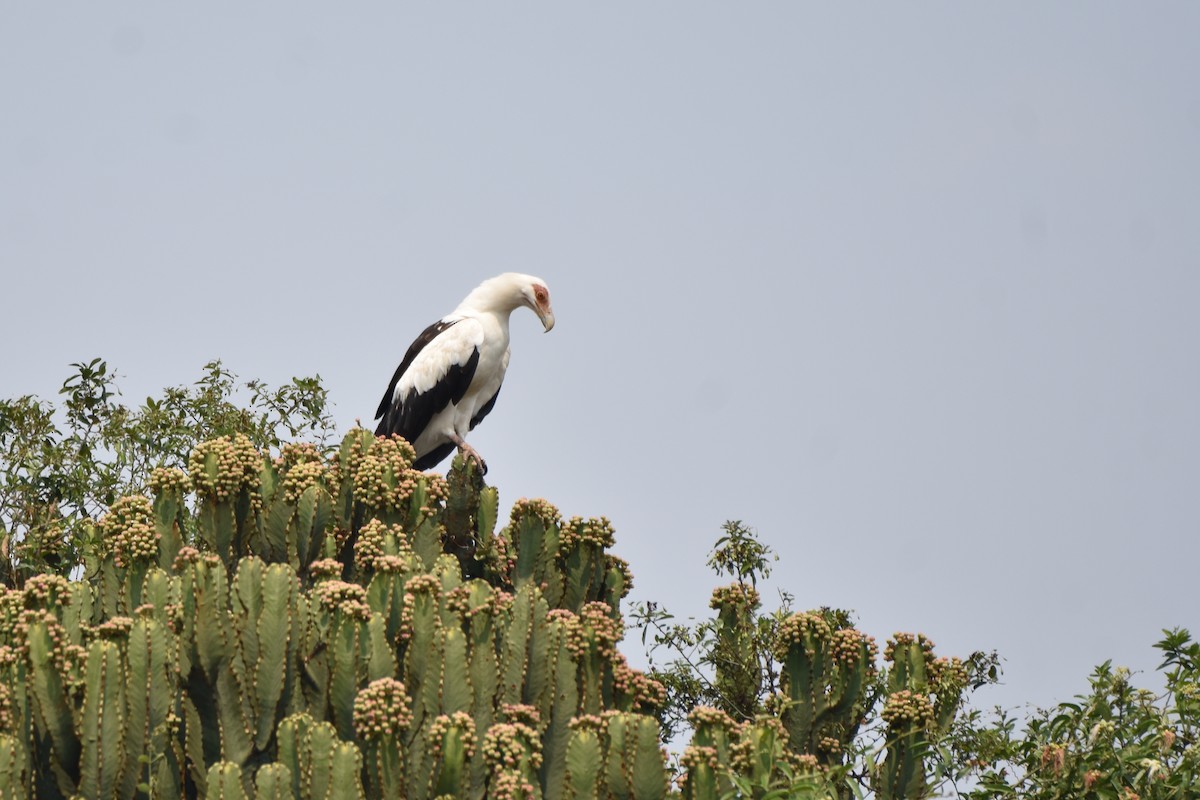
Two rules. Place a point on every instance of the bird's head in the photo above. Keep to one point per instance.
(505, 293)
(535, 295)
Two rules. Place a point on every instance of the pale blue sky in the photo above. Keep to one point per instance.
(911, 289)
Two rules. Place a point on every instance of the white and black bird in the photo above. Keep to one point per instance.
(451, 375)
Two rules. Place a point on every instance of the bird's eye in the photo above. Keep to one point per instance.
(540, 294)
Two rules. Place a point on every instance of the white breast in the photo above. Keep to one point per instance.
(489, 334)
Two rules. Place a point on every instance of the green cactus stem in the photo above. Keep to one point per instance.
(634, 764)
(246, 634)
(738, 678)
(14, 778)
(103, 721)
(226, 475)
(381, 719)
(451, 744)
(224, 782)
(585, 759)
(712, 737)
(273, 782)
(908, 715)
(151, 690)
(52, 705)
(824, 676)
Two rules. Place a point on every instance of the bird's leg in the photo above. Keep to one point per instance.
(469, 452)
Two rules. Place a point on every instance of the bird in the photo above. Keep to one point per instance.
(450, 376)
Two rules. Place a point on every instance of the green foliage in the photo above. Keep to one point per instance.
(318, 624)
(786, 704)
(192, 607)
(61, 468)
(725, 663)
(797, 703)
(1117, 741)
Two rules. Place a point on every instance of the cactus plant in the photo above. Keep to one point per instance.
(738, 675)
(824, 675)
(302, 627)
(225, 635)
(13, 769)
(923, 696)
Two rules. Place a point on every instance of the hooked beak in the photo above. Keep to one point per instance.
(547, 318)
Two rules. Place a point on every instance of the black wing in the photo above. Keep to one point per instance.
(427, 336)
(408, 416)
(435, 456)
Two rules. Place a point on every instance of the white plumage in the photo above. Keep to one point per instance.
(449, 378)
